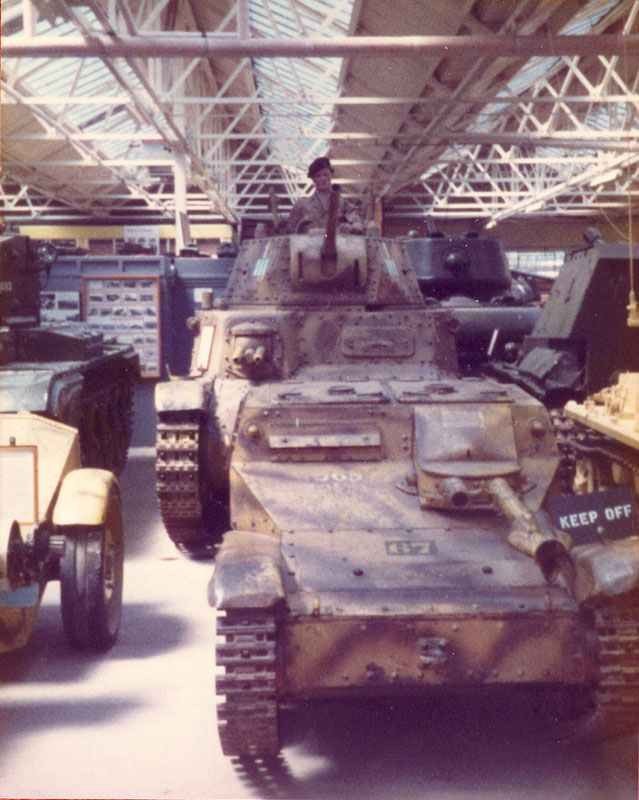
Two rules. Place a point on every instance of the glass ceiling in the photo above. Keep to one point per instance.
(66, 77)
(598, 116)
(311, 79)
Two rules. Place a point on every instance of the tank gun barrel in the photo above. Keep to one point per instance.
(329, 249)
(259, 354)
(243, 354)
(249, 354)
(527, 534)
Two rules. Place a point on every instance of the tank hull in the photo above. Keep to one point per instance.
(387, 524)
(94, 395)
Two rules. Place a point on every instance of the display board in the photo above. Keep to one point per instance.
(145, 235)
(56, 306)
(127, 308)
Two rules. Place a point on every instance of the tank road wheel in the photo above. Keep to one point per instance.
(193, 516)
(248, 709)
(91, 574)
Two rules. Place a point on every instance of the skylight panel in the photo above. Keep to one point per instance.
(309, 78)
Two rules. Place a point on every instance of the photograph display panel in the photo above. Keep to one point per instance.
(127, 309)
(58, 306)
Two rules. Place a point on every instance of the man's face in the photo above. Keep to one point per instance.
(322, 180)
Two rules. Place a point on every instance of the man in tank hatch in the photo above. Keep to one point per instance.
(312, 212)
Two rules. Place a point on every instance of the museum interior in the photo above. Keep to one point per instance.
(319, 399)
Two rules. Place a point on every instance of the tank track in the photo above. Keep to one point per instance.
(248, 713)
(179, 482)
(106, 423)
(617, 692)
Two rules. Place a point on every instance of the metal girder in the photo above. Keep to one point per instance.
(512, 157)
(528, 157)
(176, 44)
(89, 155)
(147, 104)
(324, 102)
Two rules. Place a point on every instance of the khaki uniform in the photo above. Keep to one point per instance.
(312, 212)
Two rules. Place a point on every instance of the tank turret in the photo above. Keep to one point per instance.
(493, 307)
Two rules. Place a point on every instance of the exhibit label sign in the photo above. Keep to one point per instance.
(611, 514)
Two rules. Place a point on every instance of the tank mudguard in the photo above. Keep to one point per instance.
(83, 497)
(606, 570)
(180, 395)
(248, 572)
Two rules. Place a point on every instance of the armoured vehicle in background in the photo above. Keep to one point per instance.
(388, 524)
(493, 306)
(57, 522)
(606, 437)
(605, 432)
(64, 372)
(580, 342)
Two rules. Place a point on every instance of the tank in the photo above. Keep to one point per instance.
(605, 436)
(58, 521)
(581, 341)
(67, 372)
(387, 523)
(494, 307)
(602, 433)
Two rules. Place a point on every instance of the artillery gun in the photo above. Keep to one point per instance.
(66, 372)
(388, 522)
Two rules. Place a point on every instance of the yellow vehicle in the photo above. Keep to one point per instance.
(608, 440)
(57, 522)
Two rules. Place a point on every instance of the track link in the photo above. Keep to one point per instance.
(617, 692)
(248, 710)
(179, 482)
(106, 421)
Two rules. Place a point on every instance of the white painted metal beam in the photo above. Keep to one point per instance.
(175, 44)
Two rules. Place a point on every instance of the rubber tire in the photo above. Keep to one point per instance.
(91, 579)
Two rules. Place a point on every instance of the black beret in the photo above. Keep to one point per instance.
(318, 165)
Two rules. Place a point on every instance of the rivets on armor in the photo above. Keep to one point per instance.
(537, 428)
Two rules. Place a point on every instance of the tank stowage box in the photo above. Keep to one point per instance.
(386, 520)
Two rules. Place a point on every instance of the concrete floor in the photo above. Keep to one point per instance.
(140, 721)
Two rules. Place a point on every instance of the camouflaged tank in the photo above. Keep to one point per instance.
(387, 528)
